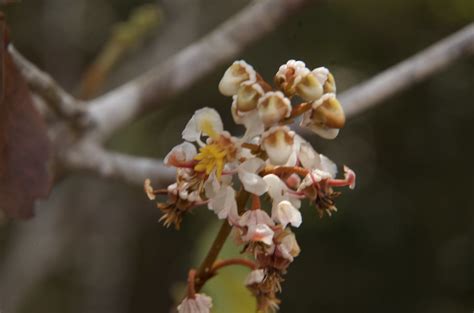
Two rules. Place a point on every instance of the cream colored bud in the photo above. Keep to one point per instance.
(247, 96)
(329, 112)
(309, 88)
(326, 117)
(330, 84)
(289, 75)
(278, 143)
(237, 73)
(273, 107)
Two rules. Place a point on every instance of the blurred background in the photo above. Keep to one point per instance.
(402, 241)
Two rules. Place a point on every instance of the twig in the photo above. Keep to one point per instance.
(90, 157)
(124, 104)
(397, 78)
(61, 102)
(205, 271)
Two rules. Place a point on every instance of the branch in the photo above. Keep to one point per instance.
(61, 102)
(90, 157)
(408, 72)
(124, 104)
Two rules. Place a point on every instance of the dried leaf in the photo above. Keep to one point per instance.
(24, 145)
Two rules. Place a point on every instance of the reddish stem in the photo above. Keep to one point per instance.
(244, 262)
(256, 202)
(191, 284)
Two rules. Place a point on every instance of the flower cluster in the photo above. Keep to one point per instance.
(270, 164)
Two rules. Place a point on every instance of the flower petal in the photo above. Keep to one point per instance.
(181, 153)
(237, 73)
(285, 213)
(205, 121)
(223, 203)
(251, 181)
(200, 304)
(260, 232)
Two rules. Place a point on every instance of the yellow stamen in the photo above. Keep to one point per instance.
(211, 157)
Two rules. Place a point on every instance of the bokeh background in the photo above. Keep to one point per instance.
(402, 241)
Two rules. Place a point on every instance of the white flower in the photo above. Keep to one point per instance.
(278, 143)
(223, 203)
(248, 175)
(285, 213)
(328, 166)
(260, 232)
(180, 154)
(251, 121)
(258, 226)
(255, 277)
(254, 217)
(205, 121)
(273, 107)
(307, 156)
(237, 73)
(199, 304)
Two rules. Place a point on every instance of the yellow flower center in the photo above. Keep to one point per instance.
(211, 157)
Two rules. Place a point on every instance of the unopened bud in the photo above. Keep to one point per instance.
(289, 75)
(329, 112)
(273, 107)
(330, 84)
(237, 73)
(326, 79)
(247, 96)
(309, 88)
(278, 143)
(326, 117)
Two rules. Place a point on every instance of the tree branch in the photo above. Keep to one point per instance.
(88, 156)
(124, 104)
(402, 76)
(61, 102)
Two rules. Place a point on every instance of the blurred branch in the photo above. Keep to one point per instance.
(124, 104)
(121, 106)
(61, 102)
(90, 157)
(408, 72)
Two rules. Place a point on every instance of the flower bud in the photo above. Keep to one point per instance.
(326, 79)
(309, 88)
(289, 75)
(273, 107)
(330, 84)
(278, 143)
(326, 117)
(247, 96)
(237, 73)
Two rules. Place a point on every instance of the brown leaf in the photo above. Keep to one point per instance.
(24, 145)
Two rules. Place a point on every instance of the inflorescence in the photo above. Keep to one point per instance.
(270, 164)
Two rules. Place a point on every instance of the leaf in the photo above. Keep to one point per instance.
(24, 144)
